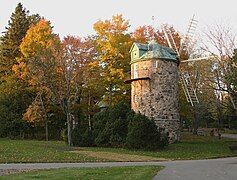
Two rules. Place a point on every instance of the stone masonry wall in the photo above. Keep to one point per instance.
(157, 98)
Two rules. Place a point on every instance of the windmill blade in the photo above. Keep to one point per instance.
(166, 37)
(200, 59)
(189, 91)
(170, 40)
(187, 40)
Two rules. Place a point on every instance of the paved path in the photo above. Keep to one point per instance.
(232, 136)
(215, 169)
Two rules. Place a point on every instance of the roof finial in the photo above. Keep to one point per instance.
(153, 26)
(152, 40)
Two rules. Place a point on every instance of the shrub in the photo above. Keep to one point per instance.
(143, 134)
(76, 136)
(110, 126)
(81, 137)
(118, 126)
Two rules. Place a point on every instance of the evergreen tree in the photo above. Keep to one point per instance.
(18, 24)
(15, 96)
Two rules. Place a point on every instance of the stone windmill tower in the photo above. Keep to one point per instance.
(154, 82)
(154, 79)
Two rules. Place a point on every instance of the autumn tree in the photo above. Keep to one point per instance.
(144, 34)
(93, 90)
(113, 43)
(55, 69)
(39, 48)
(37, 65)
(71, 67)
(79, 75)
(35, 113)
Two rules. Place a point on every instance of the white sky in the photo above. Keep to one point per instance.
(76, 17)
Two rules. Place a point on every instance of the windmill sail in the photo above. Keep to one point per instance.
(187, 43)
(189, 91)
(187, 46)
(170, 40)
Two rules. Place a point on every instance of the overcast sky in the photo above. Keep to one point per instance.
(76, 17)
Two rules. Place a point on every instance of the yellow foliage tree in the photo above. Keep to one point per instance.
(40, 48)
(113, 43)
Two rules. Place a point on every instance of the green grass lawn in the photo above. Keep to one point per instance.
(230, 131)
(38, 151)
(190, 147)
(132, 172)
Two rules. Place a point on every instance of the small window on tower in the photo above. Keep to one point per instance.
(155, 64)
(135, 98)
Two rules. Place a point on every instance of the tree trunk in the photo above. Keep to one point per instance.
(89, 112)
(33, 133)
(206, 122)
(110, 95)
(69, 133)
(45, 118)
(46, 130)
(219, 113)
(195, 120)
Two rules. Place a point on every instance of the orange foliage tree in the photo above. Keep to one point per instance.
(37, 66)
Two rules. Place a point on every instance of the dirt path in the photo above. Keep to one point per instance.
(112, 156)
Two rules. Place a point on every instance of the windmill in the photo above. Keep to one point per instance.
(154, 69)
(187, 44)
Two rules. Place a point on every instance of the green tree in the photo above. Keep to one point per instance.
(14, 99)
(14, 93)
(18, 24)
(232, 80)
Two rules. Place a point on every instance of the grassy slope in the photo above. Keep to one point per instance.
(190, 147)
(38, 151)
(141, 172)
